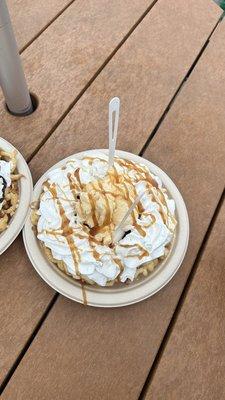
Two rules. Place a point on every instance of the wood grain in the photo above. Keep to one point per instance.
(139, 75)
(65, 57)
(98, 29)
(23, 300)
(89, 353)
(193, 363)
(30, 17)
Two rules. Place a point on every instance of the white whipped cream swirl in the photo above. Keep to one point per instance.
(83, 257)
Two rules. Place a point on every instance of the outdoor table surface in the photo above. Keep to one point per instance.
(166, 62)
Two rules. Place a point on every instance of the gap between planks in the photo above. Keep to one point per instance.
(152, 134)
(108, 59)
(28, 342)
(182, 299)
(88, 84)
(46, 26)
(56, 295)
(161, 119)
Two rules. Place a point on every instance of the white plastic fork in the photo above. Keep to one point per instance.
(114, 110)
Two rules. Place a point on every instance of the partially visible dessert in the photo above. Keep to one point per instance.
(9, 187)
(80, 207)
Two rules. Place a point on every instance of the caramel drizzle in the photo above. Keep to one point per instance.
(139, 169)
(65, 197)
(90, 159)
(93, 215)
(140, 230)
(77, 176)
(73, 186)
(115, 179)
(160, 197)
(152, 222)
(144, 252)
(120, 264)
(107, 218)
(84, 293)
(98, 187)
(164, 216)
(140, 208)
(114, 175)
(67, 231)
(147, 177)
(96, 255)
(53, 233)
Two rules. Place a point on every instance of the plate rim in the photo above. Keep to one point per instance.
(26, 191)
(61, 285)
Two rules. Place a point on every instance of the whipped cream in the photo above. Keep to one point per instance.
(81, 205)
(5, 179)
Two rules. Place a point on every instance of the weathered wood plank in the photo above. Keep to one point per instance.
(99, 29)
(193, 363)
(108, 353)
(30, 17)
(145, 73)
(60, 62)
(23, 300)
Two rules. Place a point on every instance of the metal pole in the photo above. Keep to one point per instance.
(12, 79)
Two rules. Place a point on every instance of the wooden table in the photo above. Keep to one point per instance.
(166, 61)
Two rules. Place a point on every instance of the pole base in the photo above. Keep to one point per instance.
(31, 110)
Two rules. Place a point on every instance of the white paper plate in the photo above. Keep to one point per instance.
(121, 295)
(26, 189)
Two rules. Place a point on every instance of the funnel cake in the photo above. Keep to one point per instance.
(81, 205)
(9, 187)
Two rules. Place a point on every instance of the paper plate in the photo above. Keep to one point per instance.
(122, 295)
(25, 196)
